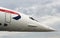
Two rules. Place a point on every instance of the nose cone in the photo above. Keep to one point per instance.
(49, 29)
(46, 28)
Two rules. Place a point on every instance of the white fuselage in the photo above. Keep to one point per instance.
(25, 23)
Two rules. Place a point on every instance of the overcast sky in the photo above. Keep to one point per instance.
(47, 12)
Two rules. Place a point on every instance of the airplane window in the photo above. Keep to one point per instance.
(32, 18)
(17, 17)
(0, 24)
(5, 24)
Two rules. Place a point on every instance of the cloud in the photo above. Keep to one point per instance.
(54, 36)
(49, 19)
(5, 34)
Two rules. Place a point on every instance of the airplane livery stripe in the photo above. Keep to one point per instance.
(9, 11)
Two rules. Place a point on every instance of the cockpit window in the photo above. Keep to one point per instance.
(33, 19)
(17, 17)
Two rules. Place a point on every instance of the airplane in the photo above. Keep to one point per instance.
(11, 20)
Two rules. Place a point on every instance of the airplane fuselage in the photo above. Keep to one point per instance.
(20, 22)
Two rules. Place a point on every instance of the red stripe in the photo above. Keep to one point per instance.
(8, 11)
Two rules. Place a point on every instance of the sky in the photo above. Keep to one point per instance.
(47, 12)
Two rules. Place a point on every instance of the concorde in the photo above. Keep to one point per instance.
(15, 21)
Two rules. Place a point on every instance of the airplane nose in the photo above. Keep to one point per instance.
(45, 28)
(50, 29)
